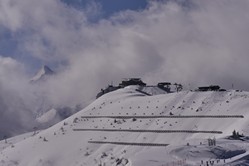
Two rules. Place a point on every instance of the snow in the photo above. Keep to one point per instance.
(44, 72)
(60, 145)
(11, 141)
(153, 90)
(49, 117)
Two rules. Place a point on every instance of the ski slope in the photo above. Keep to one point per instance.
(126, 127)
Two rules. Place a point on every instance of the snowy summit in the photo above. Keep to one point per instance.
(42, 74)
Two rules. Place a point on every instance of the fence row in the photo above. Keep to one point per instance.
(161, 116)
(128, 143)
(150, 131)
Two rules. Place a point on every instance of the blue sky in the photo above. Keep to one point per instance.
(109, 7)
(7, 42)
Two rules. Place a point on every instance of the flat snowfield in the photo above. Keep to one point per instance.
(129, 128)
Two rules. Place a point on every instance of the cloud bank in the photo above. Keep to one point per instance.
(191, 42)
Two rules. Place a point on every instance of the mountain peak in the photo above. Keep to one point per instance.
(42, 73)
(46, 70)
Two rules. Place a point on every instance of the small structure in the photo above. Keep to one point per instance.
(143, 88)
(124, 83)
(132, 81)
(211, 142)
(164, 86)
(178, 87)
(110, 88)
(209, 88)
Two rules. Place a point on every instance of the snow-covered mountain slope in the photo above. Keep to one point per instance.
(49, 118)
(42, 74)
(153, 90)
(54, 116)
(100, 133)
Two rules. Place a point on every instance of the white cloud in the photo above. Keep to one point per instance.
(204, 42)
(15, 108)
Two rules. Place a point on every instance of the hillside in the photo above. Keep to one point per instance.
(126, 127)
